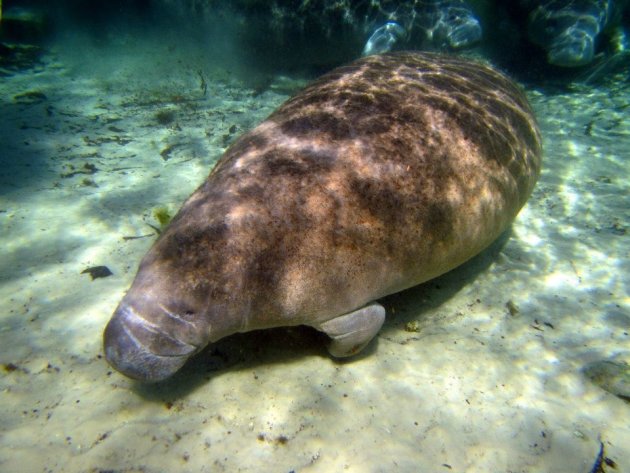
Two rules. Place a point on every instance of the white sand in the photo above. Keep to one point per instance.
(474, 389)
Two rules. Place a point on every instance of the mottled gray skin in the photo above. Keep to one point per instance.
(380, 175)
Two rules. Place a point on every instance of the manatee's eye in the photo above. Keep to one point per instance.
(183, 308)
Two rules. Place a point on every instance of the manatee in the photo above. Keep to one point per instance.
(317, 35)
(381, 175)
(442, 25)
(569, 30)
(384, 38)
(448, 24)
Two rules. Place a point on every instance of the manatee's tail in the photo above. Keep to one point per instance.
(141, 349)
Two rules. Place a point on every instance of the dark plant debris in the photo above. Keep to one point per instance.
(97, 272)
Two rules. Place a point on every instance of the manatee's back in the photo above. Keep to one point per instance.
(380, 175)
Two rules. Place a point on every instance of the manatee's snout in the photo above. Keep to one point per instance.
(142, 349)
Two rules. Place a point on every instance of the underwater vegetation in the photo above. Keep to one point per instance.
(165, 117)
(163, 216)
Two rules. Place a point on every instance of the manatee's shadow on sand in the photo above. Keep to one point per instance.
(414, 302)
(287, 345)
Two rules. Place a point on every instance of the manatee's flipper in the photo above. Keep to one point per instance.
(384, 38)
(351, 332)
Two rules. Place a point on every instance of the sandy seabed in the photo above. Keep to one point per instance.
(486, 369)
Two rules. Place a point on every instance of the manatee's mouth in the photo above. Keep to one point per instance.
(140, 349)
